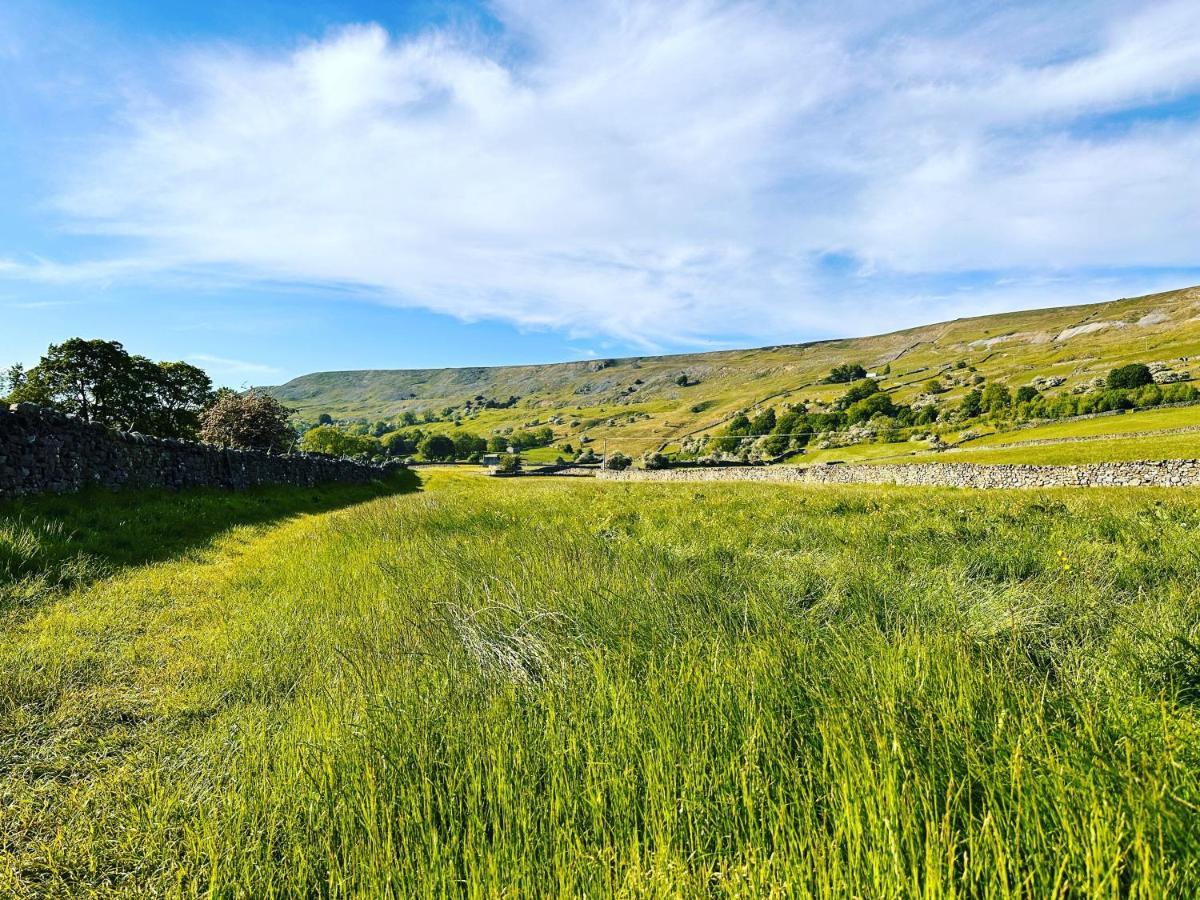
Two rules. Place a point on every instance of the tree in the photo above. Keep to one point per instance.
(437, 448)
(509, 464)
(855, 394)
(995, 399)
(176, 393)
(682, 380)
(467, 445)
(99, 381)
(846, 373)
(1134, 375)
(970, 405)
(1027, 393)
(324, 419)
(934, 386)
(94, 380)
(250, 421)
(871, 405)
(763, 423)
(397, 443)
(333, 441)
(497, 444)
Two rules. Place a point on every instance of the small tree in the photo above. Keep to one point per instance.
(1134, 375)
(250, 421)
(995, 399)
(682, 380)
(654, 461)
(510, 464)
(437, 448)
(616, 462)
(1027, 393)
(971, 405)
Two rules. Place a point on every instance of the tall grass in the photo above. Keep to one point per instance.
(546, 688)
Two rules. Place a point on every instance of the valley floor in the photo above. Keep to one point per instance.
(540, 687)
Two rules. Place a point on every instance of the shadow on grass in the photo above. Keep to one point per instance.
(49, 542)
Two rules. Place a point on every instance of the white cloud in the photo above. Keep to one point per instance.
(668, 171)
(232, 368)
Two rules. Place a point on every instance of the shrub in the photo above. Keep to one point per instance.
(586, 456)
(249, 421)
(654, 461)
(1134, 375)
(1027, 393)
(509, 463)
(616, 462)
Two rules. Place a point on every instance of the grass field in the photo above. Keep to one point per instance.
(541, 687)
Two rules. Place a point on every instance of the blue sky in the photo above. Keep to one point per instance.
(273, 188)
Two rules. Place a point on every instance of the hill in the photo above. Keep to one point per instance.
(639, 403)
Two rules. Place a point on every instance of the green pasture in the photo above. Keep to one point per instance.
(476, 687)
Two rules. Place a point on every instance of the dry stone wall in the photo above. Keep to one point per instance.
(1159, 473)
(42, 451)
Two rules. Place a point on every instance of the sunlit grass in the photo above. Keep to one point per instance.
(549, 688)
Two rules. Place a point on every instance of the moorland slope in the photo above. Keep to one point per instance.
(638, 403)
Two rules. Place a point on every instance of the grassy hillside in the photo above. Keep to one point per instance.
(564, 688)
(636, 404)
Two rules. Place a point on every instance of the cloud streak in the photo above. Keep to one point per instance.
(669, 172)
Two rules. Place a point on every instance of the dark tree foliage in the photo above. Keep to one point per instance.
(859, 392)
(971, 405)
(1026, 393)
(437, 448)
(99, 381)
(1134, 375)
(846, 373)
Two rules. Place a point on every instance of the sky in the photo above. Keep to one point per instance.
(273, 188)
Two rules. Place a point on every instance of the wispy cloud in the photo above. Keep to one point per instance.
(672, 171)
(232, 369)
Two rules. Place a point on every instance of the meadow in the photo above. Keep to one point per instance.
(539, 687)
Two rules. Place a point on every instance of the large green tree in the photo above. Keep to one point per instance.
(99, 381)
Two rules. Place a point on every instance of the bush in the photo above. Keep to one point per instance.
(654, 461)
(1027, 393)
(1134, 375)
(249, 421)
(586, 456)
(510, 463)
(616, 462)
